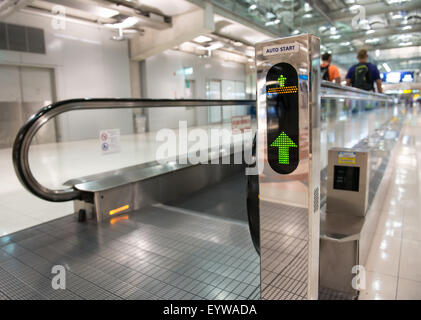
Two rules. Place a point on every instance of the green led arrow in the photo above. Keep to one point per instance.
(283, 143)
(281, 80)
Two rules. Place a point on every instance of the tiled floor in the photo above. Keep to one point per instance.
(160, 252)
(394, 263)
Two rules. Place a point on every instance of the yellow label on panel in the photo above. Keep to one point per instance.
(346, 160)
(121, 209)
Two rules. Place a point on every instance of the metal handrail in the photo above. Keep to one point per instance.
(30, 128)
(331, 90)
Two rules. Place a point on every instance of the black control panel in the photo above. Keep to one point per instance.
(282, 118)
(346, 178)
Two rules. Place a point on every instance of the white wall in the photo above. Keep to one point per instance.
(162, 77)
(86, 63)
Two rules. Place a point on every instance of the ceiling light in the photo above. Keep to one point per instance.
(270, 15)
(349, 1)
(202, 39)
(214, 46)
(386, 66)
(296, 31)
(407, 28)
(346, 43)
(322, 28)
(402, 44)
(396, 16)
(307, 15)
(373, 40)
(333, 30)
(307, 7)
(126, 23)
(377, 52)
(253, 7)
(354, 7)
(106, 13)
(371, 31)
(396, 1)
(335, 36)
(238, 43)
(270, 23)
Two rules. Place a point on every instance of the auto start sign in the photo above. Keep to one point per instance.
(281, 49)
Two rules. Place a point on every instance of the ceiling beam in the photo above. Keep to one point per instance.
(361, 35)
(220, 10)
(371, 48)
(370, 10)
(321, 9)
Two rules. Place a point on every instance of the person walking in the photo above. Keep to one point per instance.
(364, 74)
(329, 71)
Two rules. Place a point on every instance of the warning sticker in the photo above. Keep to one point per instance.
(346, 157)
(110, 141)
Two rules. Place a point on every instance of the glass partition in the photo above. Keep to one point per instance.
(97, 141)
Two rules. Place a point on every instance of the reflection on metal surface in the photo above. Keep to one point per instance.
(289, 224)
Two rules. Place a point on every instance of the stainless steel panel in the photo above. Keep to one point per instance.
(113, 199)
(345, 201)
(289, 203)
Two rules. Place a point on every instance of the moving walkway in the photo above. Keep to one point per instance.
(189, 239)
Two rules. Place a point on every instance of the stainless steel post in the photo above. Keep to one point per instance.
(288, 82)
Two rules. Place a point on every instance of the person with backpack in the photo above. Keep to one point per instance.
(363, 74)
(329, 71)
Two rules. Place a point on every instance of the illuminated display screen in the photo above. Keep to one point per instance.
(282, 118)
(397, 76)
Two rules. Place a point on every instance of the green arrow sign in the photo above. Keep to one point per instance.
(283, 142)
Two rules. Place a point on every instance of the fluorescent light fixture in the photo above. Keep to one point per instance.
(322, 28)
(296, 31)
(403, 44)
(407, 28)
(307, 7)
(271, 23)
(386, 66)
(354, 7)
(377, 52)
(126, 23)
(335, 36)
(253, 7)
(106, 13)
(373, 40)
(333, 30)
(371, 31)
(307, 15)
(396, 16)
(214, 46)
(346, 43)
(202, 39)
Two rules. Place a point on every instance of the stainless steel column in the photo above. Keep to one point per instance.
(289, 181)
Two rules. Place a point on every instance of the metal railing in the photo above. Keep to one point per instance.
(331, 90)
(30, 128)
